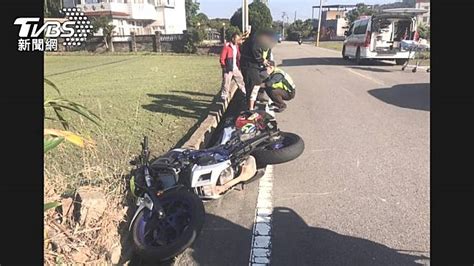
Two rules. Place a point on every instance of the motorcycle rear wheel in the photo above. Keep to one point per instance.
(291, 146)
(160, 240)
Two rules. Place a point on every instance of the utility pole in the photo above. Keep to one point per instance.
(245, 15)
(295, 16)
(283, 15)
(319, 22)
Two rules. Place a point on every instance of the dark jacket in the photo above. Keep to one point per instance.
(227, 57)
(252, 54)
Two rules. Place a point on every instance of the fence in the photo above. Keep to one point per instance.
(131, 43)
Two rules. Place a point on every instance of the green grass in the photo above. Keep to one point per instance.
(334, 45)
(160, 96)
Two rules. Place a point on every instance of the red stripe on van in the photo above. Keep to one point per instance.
(368, 36)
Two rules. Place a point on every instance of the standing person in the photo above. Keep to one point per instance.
(230, 62)
(256, 53)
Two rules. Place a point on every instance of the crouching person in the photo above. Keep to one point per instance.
(278, 85)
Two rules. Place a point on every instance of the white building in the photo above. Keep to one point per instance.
(139, 16)
(424, 4)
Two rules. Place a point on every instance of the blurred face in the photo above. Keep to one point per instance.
(268, 41)
(237, 39)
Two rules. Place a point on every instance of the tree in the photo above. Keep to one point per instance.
(403, 4)
(104, 23)
(360, 10)
(424, 31)
(52, 9)
(191, 38)
(216, 23)
(201, 18)
(260, 17)
(277, 25)
(299, 28)
(192, 9)
(231, 30)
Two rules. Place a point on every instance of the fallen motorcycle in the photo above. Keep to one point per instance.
(169, 216)
(212, 172)
(283, 147)
(169, 189)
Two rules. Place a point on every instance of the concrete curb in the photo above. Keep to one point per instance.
(200, 138)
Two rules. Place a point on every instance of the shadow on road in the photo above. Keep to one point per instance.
(372, 69)
(296, 243)
(328, 61)
(293, 243)
(412, 96)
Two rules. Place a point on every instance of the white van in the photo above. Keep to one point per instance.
(380, 36)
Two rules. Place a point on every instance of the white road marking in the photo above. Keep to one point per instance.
(261, 244)
(366, 77)
(348, 91)
(260, 252)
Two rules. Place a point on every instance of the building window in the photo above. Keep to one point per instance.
(425, 19)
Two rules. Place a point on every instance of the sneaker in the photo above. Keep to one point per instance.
(278, 110)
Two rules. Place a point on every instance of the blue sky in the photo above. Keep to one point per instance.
(225, 8)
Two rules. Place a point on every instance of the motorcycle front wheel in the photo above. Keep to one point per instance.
(283, 149)
(157, 240)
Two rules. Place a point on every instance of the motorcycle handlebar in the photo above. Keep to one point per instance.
(145, 142)
(145, 152)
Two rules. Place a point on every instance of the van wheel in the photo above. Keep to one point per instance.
(358, 59)
(344, 56)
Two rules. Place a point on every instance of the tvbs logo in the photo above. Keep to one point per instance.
(74, 31)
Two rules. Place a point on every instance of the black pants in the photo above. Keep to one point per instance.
(279, 97)
(252, 78)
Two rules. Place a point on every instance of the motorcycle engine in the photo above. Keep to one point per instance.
(225, 176)
(247, 136)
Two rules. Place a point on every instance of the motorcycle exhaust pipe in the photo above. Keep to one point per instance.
(249, 169)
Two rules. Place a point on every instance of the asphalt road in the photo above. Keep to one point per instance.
(359, 194)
